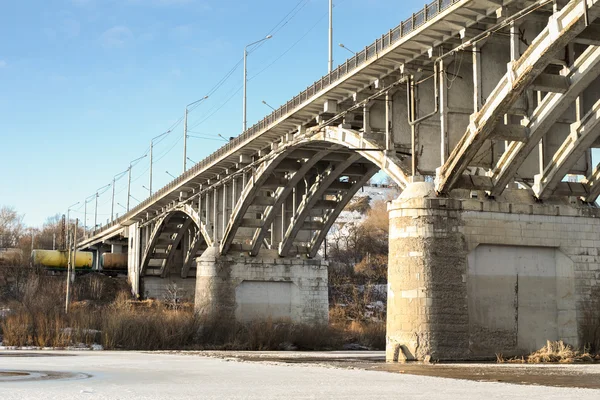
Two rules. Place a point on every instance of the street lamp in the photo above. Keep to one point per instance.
(112, 204)
(146, 188)
(330, 61)
(131, 164)
(68, 220)
(185, 136)
(223, 137)
(171, 175)
(246, 75)
(192, 161)
(344, 47)
(85, 201)
(96, 207)
(268, 105)
(121, 205)
(151, 147)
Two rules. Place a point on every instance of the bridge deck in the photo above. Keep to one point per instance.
(411, 42)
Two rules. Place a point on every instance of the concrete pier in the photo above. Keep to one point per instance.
(469, 278)
(247, 288)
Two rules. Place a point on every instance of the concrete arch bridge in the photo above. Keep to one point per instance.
(485, 113)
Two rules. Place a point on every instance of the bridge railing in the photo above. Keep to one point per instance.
(406, 27)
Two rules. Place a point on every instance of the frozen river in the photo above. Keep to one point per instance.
(136, 375)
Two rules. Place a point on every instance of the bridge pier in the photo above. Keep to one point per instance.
(473, 277)
(427, 292)
(244, 288)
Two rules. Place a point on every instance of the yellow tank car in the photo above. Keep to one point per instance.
(110, 261)
(59, 258)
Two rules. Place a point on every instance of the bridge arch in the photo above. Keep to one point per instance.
(294, 197)
(166, 235)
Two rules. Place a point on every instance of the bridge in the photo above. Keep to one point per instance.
(485, 113)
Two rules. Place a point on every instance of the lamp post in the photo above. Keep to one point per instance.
(246, 75)
(192, 161)
(145, 188)
(151, 147)
(171, 175)
(112, 204)
(68, 223)
(185, 136)
(268, 105)
(330, 63)
(96, 206)
(85, 201)
(344, 47)
(131, 164)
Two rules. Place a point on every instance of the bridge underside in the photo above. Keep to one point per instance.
(488, 111)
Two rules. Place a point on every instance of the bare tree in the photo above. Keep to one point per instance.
(12, 228)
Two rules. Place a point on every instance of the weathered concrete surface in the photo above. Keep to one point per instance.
(246, 288)
(469, 278)
(427, 292)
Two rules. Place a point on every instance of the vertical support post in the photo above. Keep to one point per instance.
(477, 98)
(224, 217)
(444, 150)
(389, 133)
(413, 128)
(294, 201)
(200, 204)
(233, 194)
(283, 220)
(215, 215)
(366, 119)
(207, 199)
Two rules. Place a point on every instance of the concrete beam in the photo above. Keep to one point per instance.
(584, 71)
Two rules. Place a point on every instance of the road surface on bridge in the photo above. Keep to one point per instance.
(137, 375)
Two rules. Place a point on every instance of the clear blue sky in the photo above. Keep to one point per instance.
(85, 84)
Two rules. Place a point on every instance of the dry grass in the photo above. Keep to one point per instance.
(553, 352)
(103, 312)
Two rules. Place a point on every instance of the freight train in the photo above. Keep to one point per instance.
(57, 260)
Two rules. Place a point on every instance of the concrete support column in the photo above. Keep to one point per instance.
(427, 314)
(243, 288)
(215, 291)
(133, 257)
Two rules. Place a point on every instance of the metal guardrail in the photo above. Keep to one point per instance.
(406, 27)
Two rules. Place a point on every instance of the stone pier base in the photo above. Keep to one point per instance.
(471, 278)
(248, 288)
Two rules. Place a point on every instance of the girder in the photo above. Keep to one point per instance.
(563, 27)
(584, 71)
(281, 195)
(583, 134)
(315, 193)
(175, 223)
(331, 217)
(247, 196)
